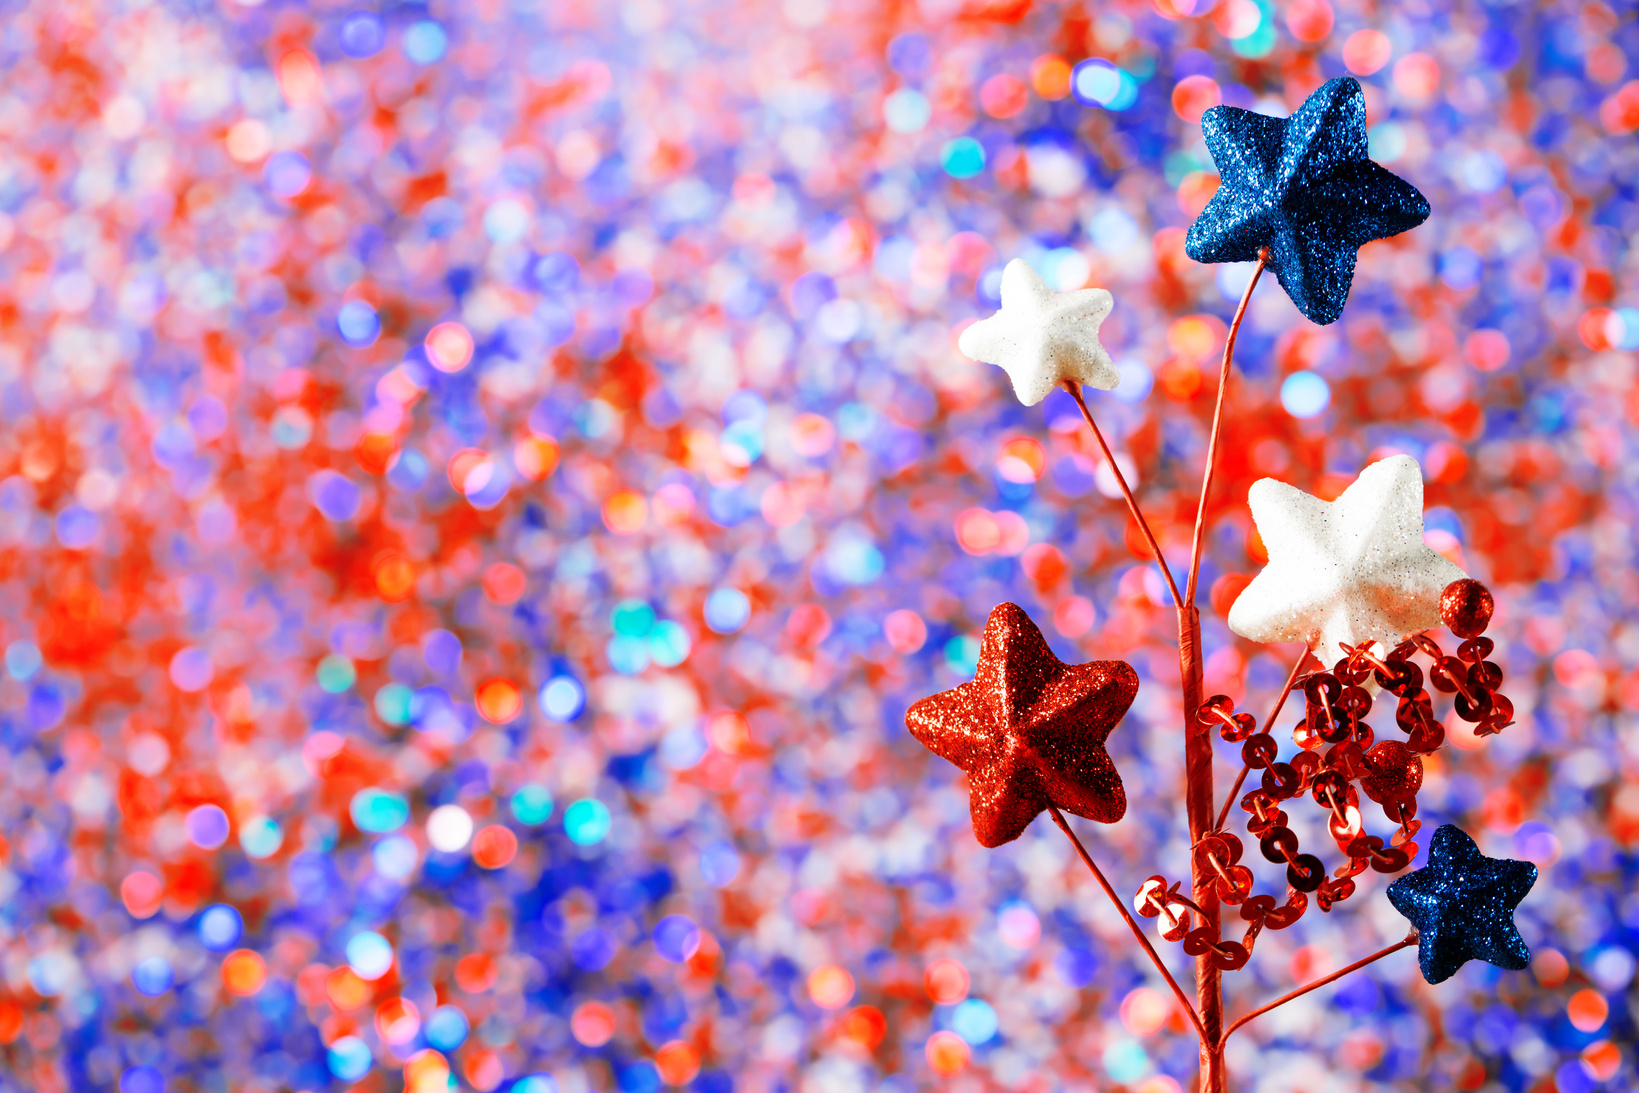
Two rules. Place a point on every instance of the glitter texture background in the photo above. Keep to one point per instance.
(481, 484)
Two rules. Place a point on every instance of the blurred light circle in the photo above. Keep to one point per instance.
(907, 110)
(441, 650)
(449, 828)
(830, 986)
(587, 821)
(494, 846)
(946, 981)
(153, 976)
(220, 927)
(947, 1053)
(975, 1021)
(446, 1028)
(592, 1024)
(449, 347)
(531, 805)
(727, 610)
(349, 1058)
(676, 938)
(395, 857)
(207, 826)
(77, 527)
(23, 659)
(51, 972)
(1017, 924)
(962, 158)
(506, 220)
(719, 864)
(640, 1077)
(425, 42)
(378, 811)
(287, 174)
(1305, 394)
(141, 1079)
(191, 669)
(369, 955)
(334, 494)
(362, 35)
(260, 837)
(358, 323)
(669, 644)
(335, 674)
(392, 703)
(562, 699)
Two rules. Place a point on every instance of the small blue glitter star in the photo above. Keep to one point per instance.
(1462, 904)
(1303, 187)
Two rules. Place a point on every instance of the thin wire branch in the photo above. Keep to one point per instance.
(1268, 722)
(1132, 923)
(1410, 939)
(1217, 427)
(1121, 480)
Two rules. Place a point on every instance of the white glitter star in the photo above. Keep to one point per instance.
(1352, 570)
(1041, 337)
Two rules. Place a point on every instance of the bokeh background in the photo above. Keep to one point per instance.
(482, 483)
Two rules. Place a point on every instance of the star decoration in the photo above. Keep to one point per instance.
(1462, 904)
(1353, 570)
(1303, 187)
(1029, 730)
(1041, 337)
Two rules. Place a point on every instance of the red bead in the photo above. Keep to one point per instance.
(1392, 770)
(1465, 607)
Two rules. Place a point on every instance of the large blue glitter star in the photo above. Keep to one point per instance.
(1303, 187)
(1462, 904)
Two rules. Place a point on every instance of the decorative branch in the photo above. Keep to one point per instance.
(1121, 480)
(1409, 940)
(1132, 923)
(1268, 723)
(1217, 428)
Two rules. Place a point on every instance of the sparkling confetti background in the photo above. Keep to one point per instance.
(480, 485)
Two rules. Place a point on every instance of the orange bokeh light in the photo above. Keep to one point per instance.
(947, 1053)
(475, 973)
(865, 1025)
(947, 981)
(394, 575)
(678, 1062)
(1587, 1010)
(345, 990)
(499, 700)
(625, 512)
(494, 847)
(449, 347)
(830, 986)
(535, 457)
(243, 972)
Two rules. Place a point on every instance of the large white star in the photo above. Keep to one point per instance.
(1041, 337)
(1352, 570)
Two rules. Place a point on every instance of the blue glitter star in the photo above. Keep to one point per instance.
(1462, 904)
(1303, 187)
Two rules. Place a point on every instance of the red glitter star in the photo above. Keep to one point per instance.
(1029, 730)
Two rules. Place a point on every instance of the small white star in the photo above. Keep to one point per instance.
(1041, 337)
(1353, 570)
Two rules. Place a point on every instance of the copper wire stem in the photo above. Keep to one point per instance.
(1409, 940)
(1132, 923)
(1198, 796)
(1126, 491)
(1217, 428)
(1268, 723)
